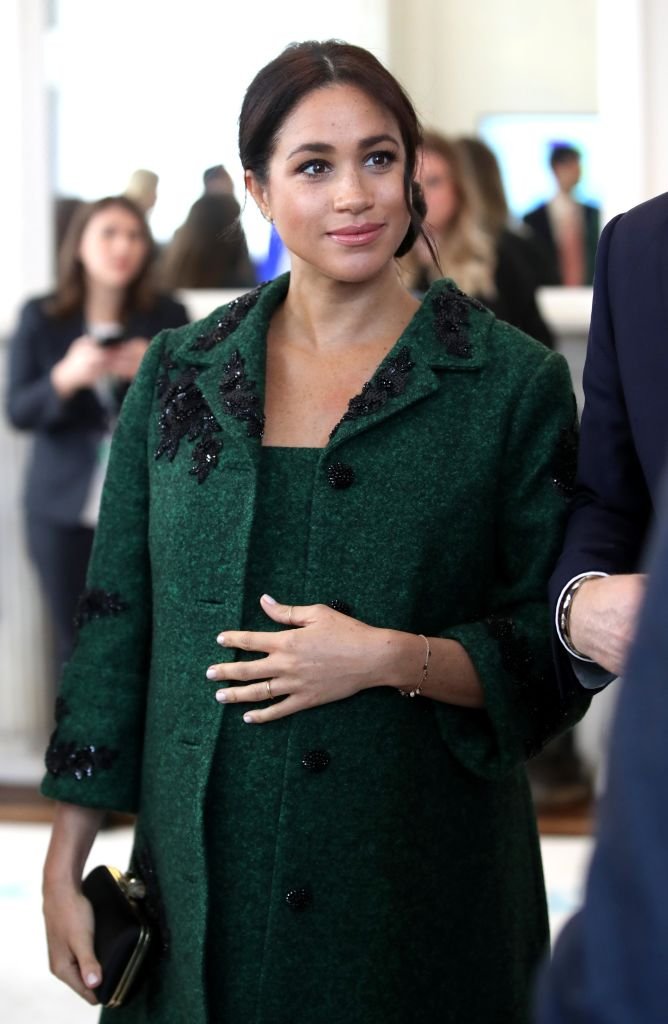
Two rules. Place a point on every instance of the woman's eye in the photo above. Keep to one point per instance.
(383, 158)
(314, 168)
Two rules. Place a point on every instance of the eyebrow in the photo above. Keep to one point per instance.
(325, 147)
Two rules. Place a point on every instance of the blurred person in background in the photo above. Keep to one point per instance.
(517, 254)
(217, 181)
(142, 189)
(568, 229)
(465, 250)
(466, 235)
(209, 250)
(71, 359)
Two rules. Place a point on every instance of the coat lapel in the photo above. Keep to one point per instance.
(444, 336)
(229, 357)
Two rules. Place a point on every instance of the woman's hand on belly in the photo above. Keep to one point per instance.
(322, 656)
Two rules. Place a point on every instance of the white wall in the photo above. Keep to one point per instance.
(160, 85)
(25, 196)
(463, 58)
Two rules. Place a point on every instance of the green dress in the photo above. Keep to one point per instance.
(245, 788)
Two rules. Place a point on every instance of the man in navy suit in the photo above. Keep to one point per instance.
(609, 965)
(597, 586)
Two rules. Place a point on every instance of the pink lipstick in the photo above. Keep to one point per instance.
(356, 234)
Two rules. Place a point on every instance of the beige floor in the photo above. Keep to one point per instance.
(28, 993)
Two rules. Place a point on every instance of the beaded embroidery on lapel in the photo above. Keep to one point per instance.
(451, 313)
(240, 398)
(235, 312)
(186, 414)
(65, 758)
(97, 604)
(388, 382)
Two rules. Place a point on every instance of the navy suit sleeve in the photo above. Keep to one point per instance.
(609, 964)
(32, 401)
(612, 505)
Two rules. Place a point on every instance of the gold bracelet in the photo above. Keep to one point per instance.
(417, 690)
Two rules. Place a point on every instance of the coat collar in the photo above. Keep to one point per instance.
(228, 352)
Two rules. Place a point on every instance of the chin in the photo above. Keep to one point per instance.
(356, 270)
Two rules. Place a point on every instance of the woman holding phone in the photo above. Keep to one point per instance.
(71, 359)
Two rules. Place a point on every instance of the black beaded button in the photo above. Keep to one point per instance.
(340, 606)
(299, 899)
(340, 475)
(316, 760)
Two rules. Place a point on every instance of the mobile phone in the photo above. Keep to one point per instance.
(110, 339)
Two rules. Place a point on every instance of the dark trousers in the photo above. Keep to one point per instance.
(60, 555)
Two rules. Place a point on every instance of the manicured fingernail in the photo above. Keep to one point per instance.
(221, 696)
(211, 673)
(248, 718)
(92, 979)
(220, 639)
(268, 599)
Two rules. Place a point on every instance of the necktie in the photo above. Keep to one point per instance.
(571, 248)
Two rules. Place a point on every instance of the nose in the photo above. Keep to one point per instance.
(352, 194)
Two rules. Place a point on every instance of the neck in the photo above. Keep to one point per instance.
(325, 314)
(103, 304)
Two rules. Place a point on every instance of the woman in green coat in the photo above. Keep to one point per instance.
(314, 652)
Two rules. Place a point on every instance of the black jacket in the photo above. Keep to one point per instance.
(539, 222)
(67, 432)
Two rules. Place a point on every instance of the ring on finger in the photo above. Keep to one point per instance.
(267, 683)
(290, 609)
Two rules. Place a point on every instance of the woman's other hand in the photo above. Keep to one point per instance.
(328, 657)
(69, 932)
(81, 367)
(67, 913)
(126, 358)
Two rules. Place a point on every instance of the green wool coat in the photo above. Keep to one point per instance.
(406, 883)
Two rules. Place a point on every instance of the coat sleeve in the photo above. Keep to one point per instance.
(510, 648)
(94, 757)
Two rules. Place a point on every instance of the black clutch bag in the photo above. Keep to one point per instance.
(122, 931)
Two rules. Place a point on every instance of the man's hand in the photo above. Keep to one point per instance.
(603, 618)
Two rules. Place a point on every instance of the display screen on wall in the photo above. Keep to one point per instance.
(522, 144)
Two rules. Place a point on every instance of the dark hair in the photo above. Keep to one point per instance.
(299, 70)
(484, 167)
(70, 293)
(209, 249)
(563, 153)
(215, 172)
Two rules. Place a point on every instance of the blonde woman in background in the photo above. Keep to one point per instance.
(454, 221)
(521, 263)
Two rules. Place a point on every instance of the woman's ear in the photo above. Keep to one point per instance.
(259, 194)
